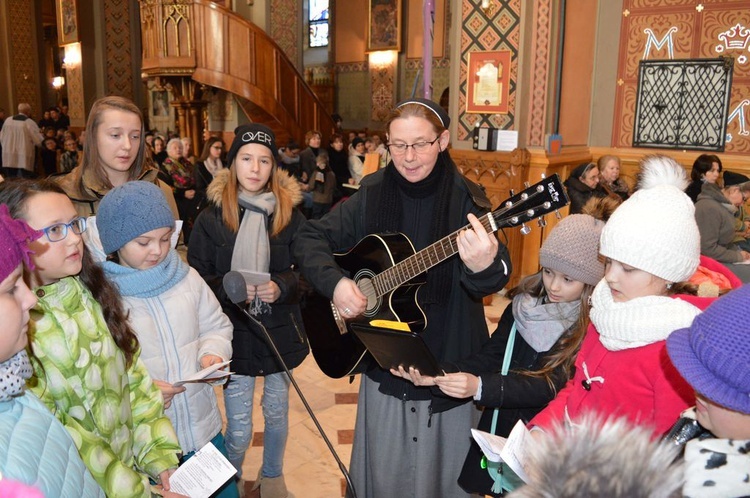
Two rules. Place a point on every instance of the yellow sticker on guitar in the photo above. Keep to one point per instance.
(391, 324)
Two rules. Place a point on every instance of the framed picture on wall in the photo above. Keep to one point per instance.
(67, 21)
(488, 82)
(384, 25)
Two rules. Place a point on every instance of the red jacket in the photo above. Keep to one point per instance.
(639, 383)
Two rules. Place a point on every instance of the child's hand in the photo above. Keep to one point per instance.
(210, 359)
(458, 385)
(268, 292)
(413, 376)
(165, 488)
(168, 391)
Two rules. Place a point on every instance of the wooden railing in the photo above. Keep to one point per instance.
(215, 47)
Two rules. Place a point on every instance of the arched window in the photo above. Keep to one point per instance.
(318, 18)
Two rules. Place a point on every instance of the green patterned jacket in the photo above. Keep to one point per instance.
(115, 416)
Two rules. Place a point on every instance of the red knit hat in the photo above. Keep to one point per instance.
(15, 236)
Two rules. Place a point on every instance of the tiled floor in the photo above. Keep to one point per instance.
(309, 468)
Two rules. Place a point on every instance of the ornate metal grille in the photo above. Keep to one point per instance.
(683, 104)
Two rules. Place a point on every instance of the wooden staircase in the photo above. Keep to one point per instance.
(215, 47)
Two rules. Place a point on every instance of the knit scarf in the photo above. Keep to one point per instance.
(542, 324)
(13, 374)
(638, 322)
(717, 467)
(388, 216)
(147, 283)
(252, 250)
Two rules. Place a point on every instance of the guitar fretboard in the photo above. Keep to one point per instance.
(441, 250)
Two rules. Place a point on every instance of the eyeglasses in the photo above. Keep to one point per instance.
(218, 147)
(419, 147)
(58, 231)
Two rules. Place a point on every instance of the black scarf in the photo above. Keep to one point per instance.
(388, 213)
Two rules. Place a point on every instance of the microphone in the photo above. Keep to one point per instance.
(236, 289)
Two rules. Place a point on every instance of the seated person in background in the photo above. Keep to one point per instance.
(69, 158)
(742, 216)
(712, 355)
(49, 156)
(357, 160)
(706, 169)
(609, 176)
(715, 215)
(582, 185)
(289, 158)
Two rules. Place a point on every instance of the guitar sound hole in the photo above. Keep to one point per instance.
(364, 282)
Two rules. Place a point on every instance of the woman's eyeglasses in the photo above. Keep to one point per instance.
(59, 231)
(419, 147)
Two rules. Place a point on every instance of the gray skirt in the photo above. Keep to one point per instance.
(395, 453)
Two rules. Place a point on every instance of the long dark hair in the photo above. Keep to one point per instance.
(207, 148)
(703, 165)
(16, 193)
(564, 353)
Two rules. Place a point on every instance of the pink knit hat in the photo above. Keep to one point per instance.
(15, 236)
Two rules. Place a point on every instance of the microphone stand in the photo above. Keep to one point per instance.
(269, 340)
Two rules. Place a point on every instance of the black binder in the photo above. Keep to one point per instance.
(394, 348)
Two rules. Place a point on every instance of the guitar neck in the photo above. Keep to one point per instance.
(425, 259)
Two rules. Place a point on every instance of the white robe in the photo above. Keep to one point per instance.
(19, 137)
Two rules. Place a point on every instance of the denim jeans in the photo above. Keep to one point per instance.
(238, 401)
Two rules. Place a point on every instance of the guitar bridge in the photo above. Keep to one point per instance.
(340, 323)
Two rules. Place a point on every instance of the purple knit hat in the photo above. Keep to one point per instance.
(713, 354)
(15, 236)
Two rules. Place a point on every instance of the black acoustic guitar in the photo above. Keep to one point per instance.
(385, 267)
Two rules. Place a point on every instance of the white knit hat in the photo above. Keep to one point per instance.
(655, 229)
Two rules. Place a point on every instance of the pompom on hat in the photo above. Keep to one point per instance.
(655, 229)
(713, 354)
(129, 211)
(253, 133)
(572, 248)
(15, 236)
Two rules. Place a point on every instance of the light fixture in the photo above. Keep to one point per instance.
(382, 58)
(72, 55)
(58, 82)
(485, 6)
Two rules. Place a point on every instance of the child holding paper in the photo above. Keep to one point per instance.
(530, 356)
(249, 225)
(177, 318)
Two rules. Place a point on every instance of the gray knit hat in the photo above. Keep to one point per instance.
(572, 248)
(129, 211)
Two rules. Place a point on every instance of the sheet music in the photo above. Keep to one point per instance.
(203, 474)
(512, 450)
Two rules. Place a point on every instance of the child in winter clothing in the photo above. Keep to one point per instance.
(650, 242)
(322, 185)
(87, 368)
(249, 225)
(541, 330)
(178, 320)
(712, 355)
(35, 449)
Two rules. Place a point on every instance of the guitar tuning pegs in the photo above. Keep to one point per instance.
(525, 229)
(526, 184)
(557, 214)
(541, 222)
(544, 175)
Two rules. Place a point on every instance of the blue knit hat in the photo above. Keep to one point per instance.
(129, 211)
(713, 354)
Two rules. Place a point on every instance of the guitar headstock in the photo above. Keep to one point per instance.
(543, 197)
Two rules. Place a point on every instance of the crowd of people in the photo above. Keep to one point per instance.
(619, 344)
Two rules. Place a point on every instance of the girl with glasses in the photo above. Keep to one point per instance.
(86, 363)
(208, 165)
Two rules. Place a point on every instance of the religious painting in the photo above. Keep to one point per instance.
(67, 21)
(488, 82)
(384, 26)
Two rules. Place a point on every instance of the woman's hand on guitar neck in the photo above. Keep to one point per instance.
(477, 248)
(348, 299)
